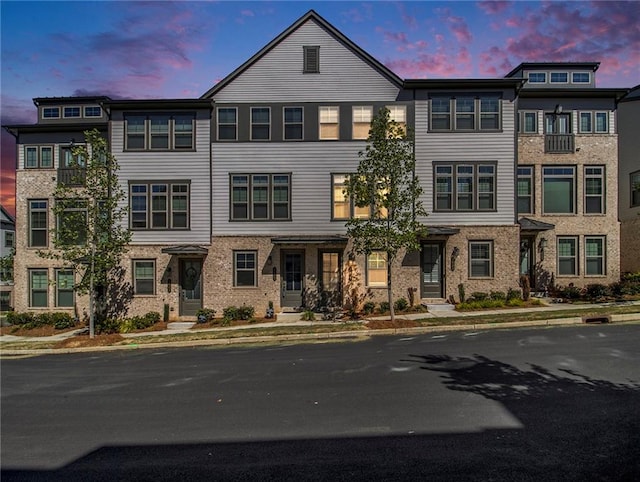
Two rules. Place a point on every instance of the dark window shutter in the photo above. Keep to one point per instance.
(311, 59)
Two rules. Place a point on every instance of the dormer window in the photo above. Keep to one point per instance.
(580, 77)
(537, 77)
(559, 77)
(92, 111)
(311, 61)
(51, 113)
(70, 112)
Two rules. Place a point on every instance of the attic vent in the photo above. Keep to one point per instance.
(311, 59)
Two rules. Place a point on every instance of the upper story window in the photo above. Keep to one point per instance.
(557, 123)
(528, 122)
(580, 77)
(362, 115)
(160, 132)
(9, 239)
(92, 111)
(260, 197)
(293, 126)
(38, 226)
(559, 77)
(158, 205)
(311, 59)
(594, 190)
(465, 187)
(329, 122)
(635, 188)
(51, 112)
(471, 113)
(72, 222)
(69, 159)
(71, 112)
(343, 206)
(227, 123)
(525, 189)
(260, 123)
(398, 114)
(594, 122)
(559, 189)
(38, 157)
(537, 77)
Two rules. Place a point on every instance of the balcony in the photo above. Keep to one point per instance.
(559, 143)
(71, 176)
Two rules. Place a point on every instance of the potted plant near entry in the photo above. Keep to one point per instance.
(270, 311)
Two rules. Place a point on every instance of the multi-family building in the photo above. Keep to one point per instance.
(7, 245)
(238, 197)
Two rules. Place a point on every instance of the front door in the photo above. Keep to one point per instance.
(526, 258)
(432, 272)
(191, 286)
(292, 277)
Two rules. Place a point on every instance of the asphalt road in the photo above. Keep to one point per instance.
(527, 404)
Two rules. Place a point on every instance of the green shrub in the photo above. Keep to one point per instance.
(152, 317)
(108, 326)
(479, 305)
(461, 293)
(27, 320)
(384, 306)
(596, 290)
(401, 304)
(479, 296)
(205, 315)
(515, 302)
(498, 296)
(369, 307)
(233, 313)
(513, 294)
(62, 321)
(569, 292)
(308, 315)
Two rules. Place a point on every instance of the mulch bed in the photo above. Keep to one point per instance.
(35, 332)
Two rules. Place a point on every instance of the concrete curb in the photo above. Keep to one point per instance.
(346, 335)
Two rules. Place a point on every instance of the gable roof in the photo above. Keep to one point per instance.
(330, 29)
(6, 217)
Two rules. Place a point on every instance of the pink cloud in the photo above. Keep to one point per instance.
(459, 27)
(493, 7)
(358, 15)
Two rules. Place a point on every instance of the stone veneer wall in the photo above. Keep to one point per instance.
(596, 149)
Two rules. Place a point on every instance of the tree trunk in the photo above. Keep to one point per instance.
(389, 289)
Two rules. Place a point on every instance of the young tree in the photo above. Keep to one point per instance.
(386, 183)
(90, 236)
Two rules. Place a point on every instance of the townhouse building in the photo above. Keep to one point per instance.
(7, 246)
(237, 198)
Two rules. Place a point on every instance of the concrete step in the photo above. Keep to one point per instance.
(180, 325)
(288, 316)
(444, 306)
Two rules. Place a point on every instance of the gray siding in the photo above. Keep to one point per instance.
(170, 165)
(460, 147)
(278, 75)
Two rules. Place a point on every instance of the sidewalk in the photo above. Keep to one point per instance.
(177, 328)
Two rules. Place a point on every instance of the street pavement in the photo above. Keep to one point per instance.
(532, 404)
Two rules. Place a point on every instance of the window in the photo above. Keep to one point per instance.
(51, 113)
(580, 77)
(635, 188)
(71, 112)
(559, 190)
(398, 114)
(144, 277)
(69, 159)
(593, 122)
(244, 268)
(529, 122)
(471, 113)
(311, 59)
(293, 123)
(377, 269)
(594, 262)
(160, 132)
(342, 206)
(480, 259)
(260, 197)
(330, 274)
(38, 288)
(557, 124)
(260, 123)
(64, 287)
(594, 190)
(38, 229)
(537, 77)
(227, 123)
(559, 77)
(465, 187)
(567, 256)
(158, 205)
(92, 111)
(38, 157)
(72, 222)
(9, 239)
(329, 123)
(362, 115)
(525, 190)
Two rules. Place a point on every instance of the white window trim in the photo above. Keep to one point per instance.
(603, 257)
(64, 108)
(551, 81)
(52, 107)
(386, 261)
(545, 74)
(581, 72)
(255, 268)
(491, 259)
(575, 257)
(218, 124)
(84, 111)
(329, 109)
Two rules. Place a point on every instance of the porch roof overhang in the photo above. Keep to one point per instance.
(441, 231)
(310, 240)
(528, 224)
(189, 250)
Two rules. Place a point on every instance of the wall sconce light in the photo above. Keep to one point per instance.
(454, 255)
(274, 273)
(269, 261)
(542, 245)
(169, 285)
(558, 109)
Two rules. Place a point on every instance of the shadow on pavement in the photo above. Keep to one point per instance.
(575, 428)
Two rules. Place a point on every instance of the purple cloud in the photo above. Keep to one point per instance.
(493, 7)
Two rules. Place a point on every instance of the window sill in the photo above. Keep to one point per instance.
(145, 295)
(246, 287)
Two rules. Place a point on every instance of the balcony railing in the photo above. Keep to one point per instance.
(71, 176)
(559, 143)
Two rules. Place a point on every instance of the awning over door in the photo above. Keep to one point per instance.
(186, 250)
(528, 224)
(441, 231)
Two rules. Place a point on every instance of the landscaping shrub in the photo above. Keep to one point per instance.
(515, 302)
(205, 315)
(62, 321)
(369, 307)
(596, 290)
(384, 306)
(400, 304)
(479, 296)
(461, 293)
(108, 326)
(569, 292)
(514, 294)
(233, 313)
(479, 304)
(29, 321)
(308, 315)
(498, 296)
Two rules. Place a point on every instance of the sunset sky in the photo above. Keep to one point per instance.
(181, 49)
